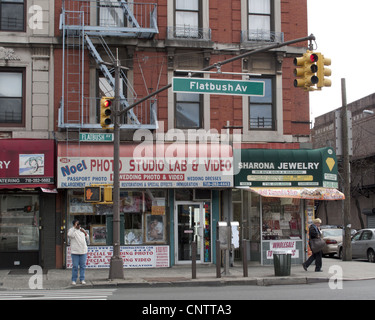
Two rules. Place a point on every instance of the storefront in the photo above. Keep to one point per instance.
(275, 194)
(27, 202)
(169, 195)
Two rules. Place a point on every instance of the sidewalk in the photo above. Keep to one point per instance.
(182, 276)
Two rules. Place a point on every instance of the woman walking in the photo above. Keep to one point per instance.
(314, 233)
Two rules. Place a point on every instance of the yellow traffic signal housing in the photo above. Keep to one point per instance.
(306, 71)
(323, 72)
(92, 194)
(106, 112)
(99, 194)
(108, 194)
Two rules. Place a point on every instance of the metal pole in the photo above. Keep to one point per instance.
(194, 260)
(244, 258)
(116, 266)
(218, 259)
(347, 255)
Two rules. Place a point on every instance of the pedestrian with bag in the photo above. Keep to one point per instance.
(78, 248)
(316, 244)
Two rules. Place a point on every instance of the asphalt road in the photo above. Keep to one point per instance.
(353, 290)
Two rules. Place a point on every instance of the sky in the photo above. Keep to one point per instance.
(344, 32)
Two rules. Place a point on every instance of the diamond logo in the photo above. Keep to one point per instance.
(330, 163)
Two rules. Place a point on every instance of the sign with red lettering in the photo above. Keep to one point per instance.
(148, 166)
(132, 256)
(283, 246)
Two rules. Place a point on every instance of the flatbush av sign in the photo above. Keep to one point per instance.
(286, 168)
(219, 86)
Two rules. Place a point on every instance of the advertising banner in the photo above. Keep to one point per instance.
(133, 256)
(148, 166)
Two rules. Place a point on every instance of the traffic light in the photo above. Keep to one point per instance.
(92, 194)
(306, 71)
(108, 194)
(323, 72)
(105, 112)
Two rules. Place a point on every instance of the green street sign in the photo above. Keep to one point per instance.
(96, 137)
(219, 86)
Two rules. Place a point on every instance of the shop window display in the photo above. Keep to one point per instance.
(281, 218)
(144, 213)
(19, 223)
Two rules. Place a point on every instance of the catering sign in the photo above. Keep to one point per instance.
(146, 166)
(27, 163)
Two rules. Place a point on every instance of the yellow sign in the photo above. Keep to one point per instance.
(158, 210)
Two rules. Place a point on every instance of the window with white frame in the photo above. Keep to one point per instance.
(259, 19)
(12, 15)
(11, 96)
(261, 109)
(188, 111)
(187, 18)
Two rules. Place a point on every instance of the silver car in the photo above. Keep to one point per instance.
(363, 245)
(332, 237)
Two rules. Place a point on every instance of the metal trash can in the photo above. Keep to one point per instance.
(282, 263)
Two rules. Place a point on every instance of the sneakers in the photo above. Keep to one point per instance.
(82, 282)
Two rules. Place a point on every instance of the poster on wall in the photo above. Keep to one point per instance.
(133, 257)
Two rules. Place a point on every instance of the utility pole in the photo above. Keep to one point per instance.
(116, 265)
(347, 254)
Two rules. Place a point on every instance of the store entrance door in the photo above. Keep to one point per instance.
(189, 226)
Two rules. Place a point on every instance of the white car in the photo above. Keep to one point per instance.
(332, 237)
(363, 245)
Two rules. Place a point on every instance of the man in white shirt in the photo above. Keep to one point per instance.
(78, 248)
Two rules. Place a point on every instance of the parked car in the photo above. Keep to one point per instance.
(363, 245)
(332, 237)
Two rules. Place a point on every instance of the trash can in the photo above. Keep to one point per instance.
(282, 263)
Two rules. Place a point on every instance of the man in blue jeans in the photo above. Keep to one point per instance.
(78, 248)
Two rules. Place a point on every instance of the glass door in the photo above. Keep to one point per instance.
(189, 227)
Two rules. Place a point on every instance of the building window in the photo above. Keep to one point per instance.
(187, 18)
(188, 111)
(19, 223)
(11, 96)
(261, 109)
(111, 14)
(259, 19)
(12, 16)
(143, 217)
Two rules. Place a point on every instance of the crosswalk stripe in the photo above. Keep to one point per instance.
(77, 294)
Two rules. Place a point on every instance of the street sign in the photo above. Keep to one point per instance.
(219, 86)
(96, 137)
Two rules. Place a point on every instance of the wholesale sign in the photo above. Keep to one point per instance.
(154, 169)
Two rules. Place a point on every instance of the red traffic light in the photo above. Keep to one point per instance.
(313, 57)
(107, 103)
